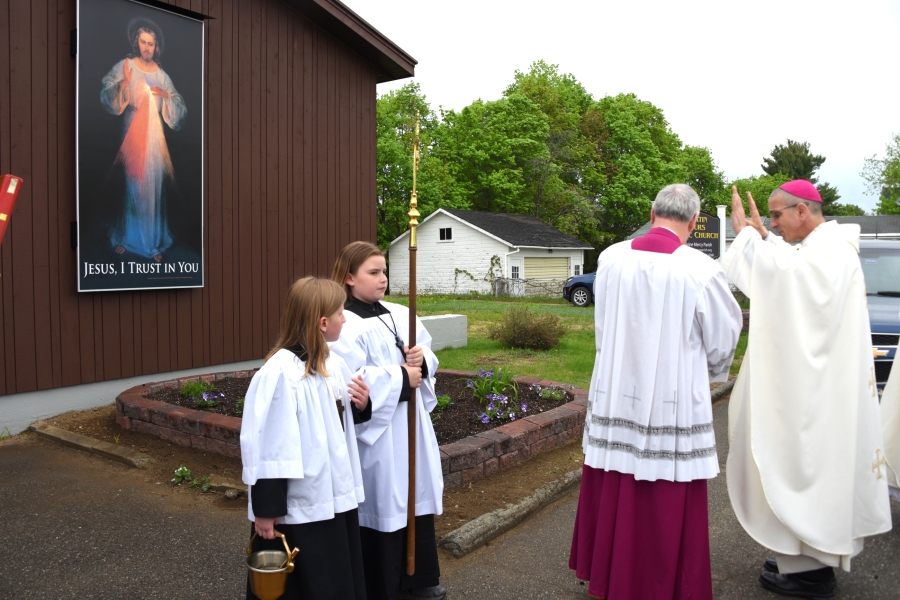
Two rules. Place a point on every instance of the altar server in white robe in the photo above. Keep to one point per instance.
(805, 471)
(299, 449)
(666, 326)
(890, 423)
(374, 342)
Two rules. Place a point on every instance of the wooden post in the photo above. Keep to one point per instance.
(414, 398)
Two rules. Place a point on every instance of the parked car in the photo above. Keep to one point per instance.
(881, 267)
(579, 290)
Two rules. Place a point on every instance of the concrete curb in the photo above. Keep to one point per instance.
(723, 390)
(489, 526)
(126, 456)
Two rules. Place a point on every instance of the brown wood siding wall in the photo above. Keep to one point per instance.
(289, 180)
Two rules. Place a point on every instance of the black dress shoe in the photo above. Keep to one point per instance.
(771, 565)
(434, 592)
(795, 585)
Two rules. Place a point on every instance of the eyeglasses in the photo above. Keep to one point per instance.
(776, 214)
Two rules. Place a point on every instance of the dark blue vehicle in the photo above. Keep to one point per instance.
(881, 267)
(880, 261)
(579, 290)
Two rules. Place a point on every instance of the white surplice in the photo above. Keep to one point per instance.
(368, 346)
(291, 430)
(804, 472)
(890, 428)
(666, 326)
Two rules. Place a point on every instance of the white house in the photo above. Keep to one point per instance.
(466, 250)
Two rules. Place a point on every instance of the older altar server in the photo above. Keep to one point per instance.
(890, 427)
(666, 326)
(805, 471)
(373, 341)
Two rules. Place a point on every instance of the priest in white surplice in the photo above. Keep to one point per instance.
(805, 470)
(666, 326)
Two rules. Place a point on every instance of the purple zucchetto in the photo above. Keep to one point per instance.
(803, 189)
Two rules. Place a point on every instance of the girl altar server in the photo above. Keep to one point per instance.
(373, 340)
(298, 448)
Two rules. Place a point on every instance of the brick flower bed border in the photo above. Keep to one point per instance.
(462, 461)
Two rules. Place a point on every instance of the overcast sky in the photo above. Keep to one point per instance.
(737, 77)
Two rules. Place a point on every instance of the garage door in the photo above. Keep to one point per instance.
(547, 268)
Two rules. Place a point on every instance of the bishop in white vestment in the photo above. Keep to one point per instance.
(666, 327)
(805, 469)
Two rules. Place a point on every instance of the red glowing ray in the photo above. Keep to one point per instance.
(133, 152)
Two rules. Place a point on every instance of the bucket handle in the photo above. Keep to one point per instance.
(289, 561)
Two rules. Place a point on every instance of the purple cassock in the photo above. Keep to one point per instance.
(642, 539)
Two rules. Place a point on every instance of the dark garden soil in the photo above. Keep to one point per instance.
(460, 419)
(461, 504)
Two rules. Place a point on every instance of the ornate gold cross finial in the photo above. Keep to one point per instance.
(413, 198)
(879, 462)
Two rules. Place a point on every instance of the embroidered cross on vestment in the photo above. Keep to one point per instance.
(633, 397)
(673, 401)
(879, 462)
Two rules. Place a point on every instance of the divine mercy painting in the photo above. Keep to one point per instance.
(140, 147)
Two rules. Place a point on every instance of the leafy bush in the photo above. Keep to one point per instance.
(521, 328)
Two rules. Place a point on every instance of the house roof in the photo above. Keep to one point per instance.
(878, 225)
(518, 230)
(337, 19)
(869, 225)
(514, 230)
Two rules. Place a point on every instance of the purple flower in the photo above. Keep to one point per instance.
(485, 374)
(470, 383)
(501, 398)
(484, 418)
(524, 407)
(490, 406)
(512, 416)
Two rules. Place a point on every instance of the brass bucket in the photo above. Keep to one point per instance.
(268, 569)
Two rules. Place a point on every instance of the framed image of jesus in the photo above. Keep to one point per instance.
(139, 147)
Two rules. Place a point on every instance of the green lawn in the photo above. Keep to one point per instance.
(571, 362)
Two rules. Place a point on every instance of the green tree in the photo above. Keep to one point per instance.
(882, 176)
(760, 186)
(794, 160)
(637, 154)
(555, 178)
(489, 148)
(395, 131)
(700, 172)
(830, 205)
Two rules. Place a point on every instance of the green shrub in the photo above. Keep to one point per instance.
(521, 328)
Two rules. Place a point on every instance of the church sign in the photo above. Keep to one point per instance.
(705, 237)
(139, 147)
